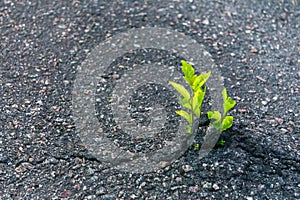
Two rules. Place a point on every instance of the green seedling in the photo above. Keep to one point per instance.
(222, 122)
(221, 142)
(191, 101)
(196, 146)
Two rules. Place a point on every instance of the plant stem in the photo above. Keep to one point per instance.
(192, 113)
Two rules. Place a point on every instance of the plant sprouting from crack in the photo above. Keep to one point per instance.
(222, 122)
(192, 102)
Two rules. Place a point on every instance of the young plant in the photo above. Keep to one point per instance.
(192, 102)
(222, 122)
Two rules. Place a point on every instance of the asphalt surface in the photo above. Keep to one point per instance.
(254, 43)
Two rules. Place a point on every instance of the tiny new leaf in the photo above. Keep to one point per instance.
(216, 116)
(221, 142)
(188, 71)
(227, 123)
(224, 94)
(229, 103)
(200, 80)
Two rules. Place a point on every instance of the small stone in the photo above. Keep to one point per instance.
(203, 194)
(133, 196)
(139, 180)
(90, 171)
(282, 16)
(244, 60)
(176, 187)
(253, 50)
(249, 198)
(261, 186)
(216, 187)
(164, 164)
(116, 76)
(143, 184)
(193, 7)
(275, 98)
(279, 120)
(206, 185)
(178, 179)
(101, 191)
(283, 130)
(261, 79)
(205, 22)
(194, 189)
(179, 16)
(65, 194)
(187, 168)
(272, 122)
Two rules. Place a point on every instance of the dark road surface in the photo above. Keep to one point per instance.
(256, 46)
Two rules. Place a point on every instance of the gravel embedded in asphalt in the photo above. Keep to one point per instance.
(255, 45)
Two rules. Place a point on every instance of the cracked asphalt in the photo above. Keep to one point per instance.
(255, 45)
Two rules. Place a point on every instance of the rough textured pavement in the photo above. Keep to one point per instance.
(256, 46)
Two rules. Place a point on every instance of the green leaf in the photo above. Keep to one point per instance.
(224, 94)
(200, 80)
(201, 94)
(221, 142)
(187, 68)
(197, 101)
(185, 115)
(197, 110)
(185, 103)
(195, 105)
(228, 105)
(216, 116)
(190, 80)
(180, 89)
(196, 146)
(209, 114)
(227, 122)
(188, 71)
